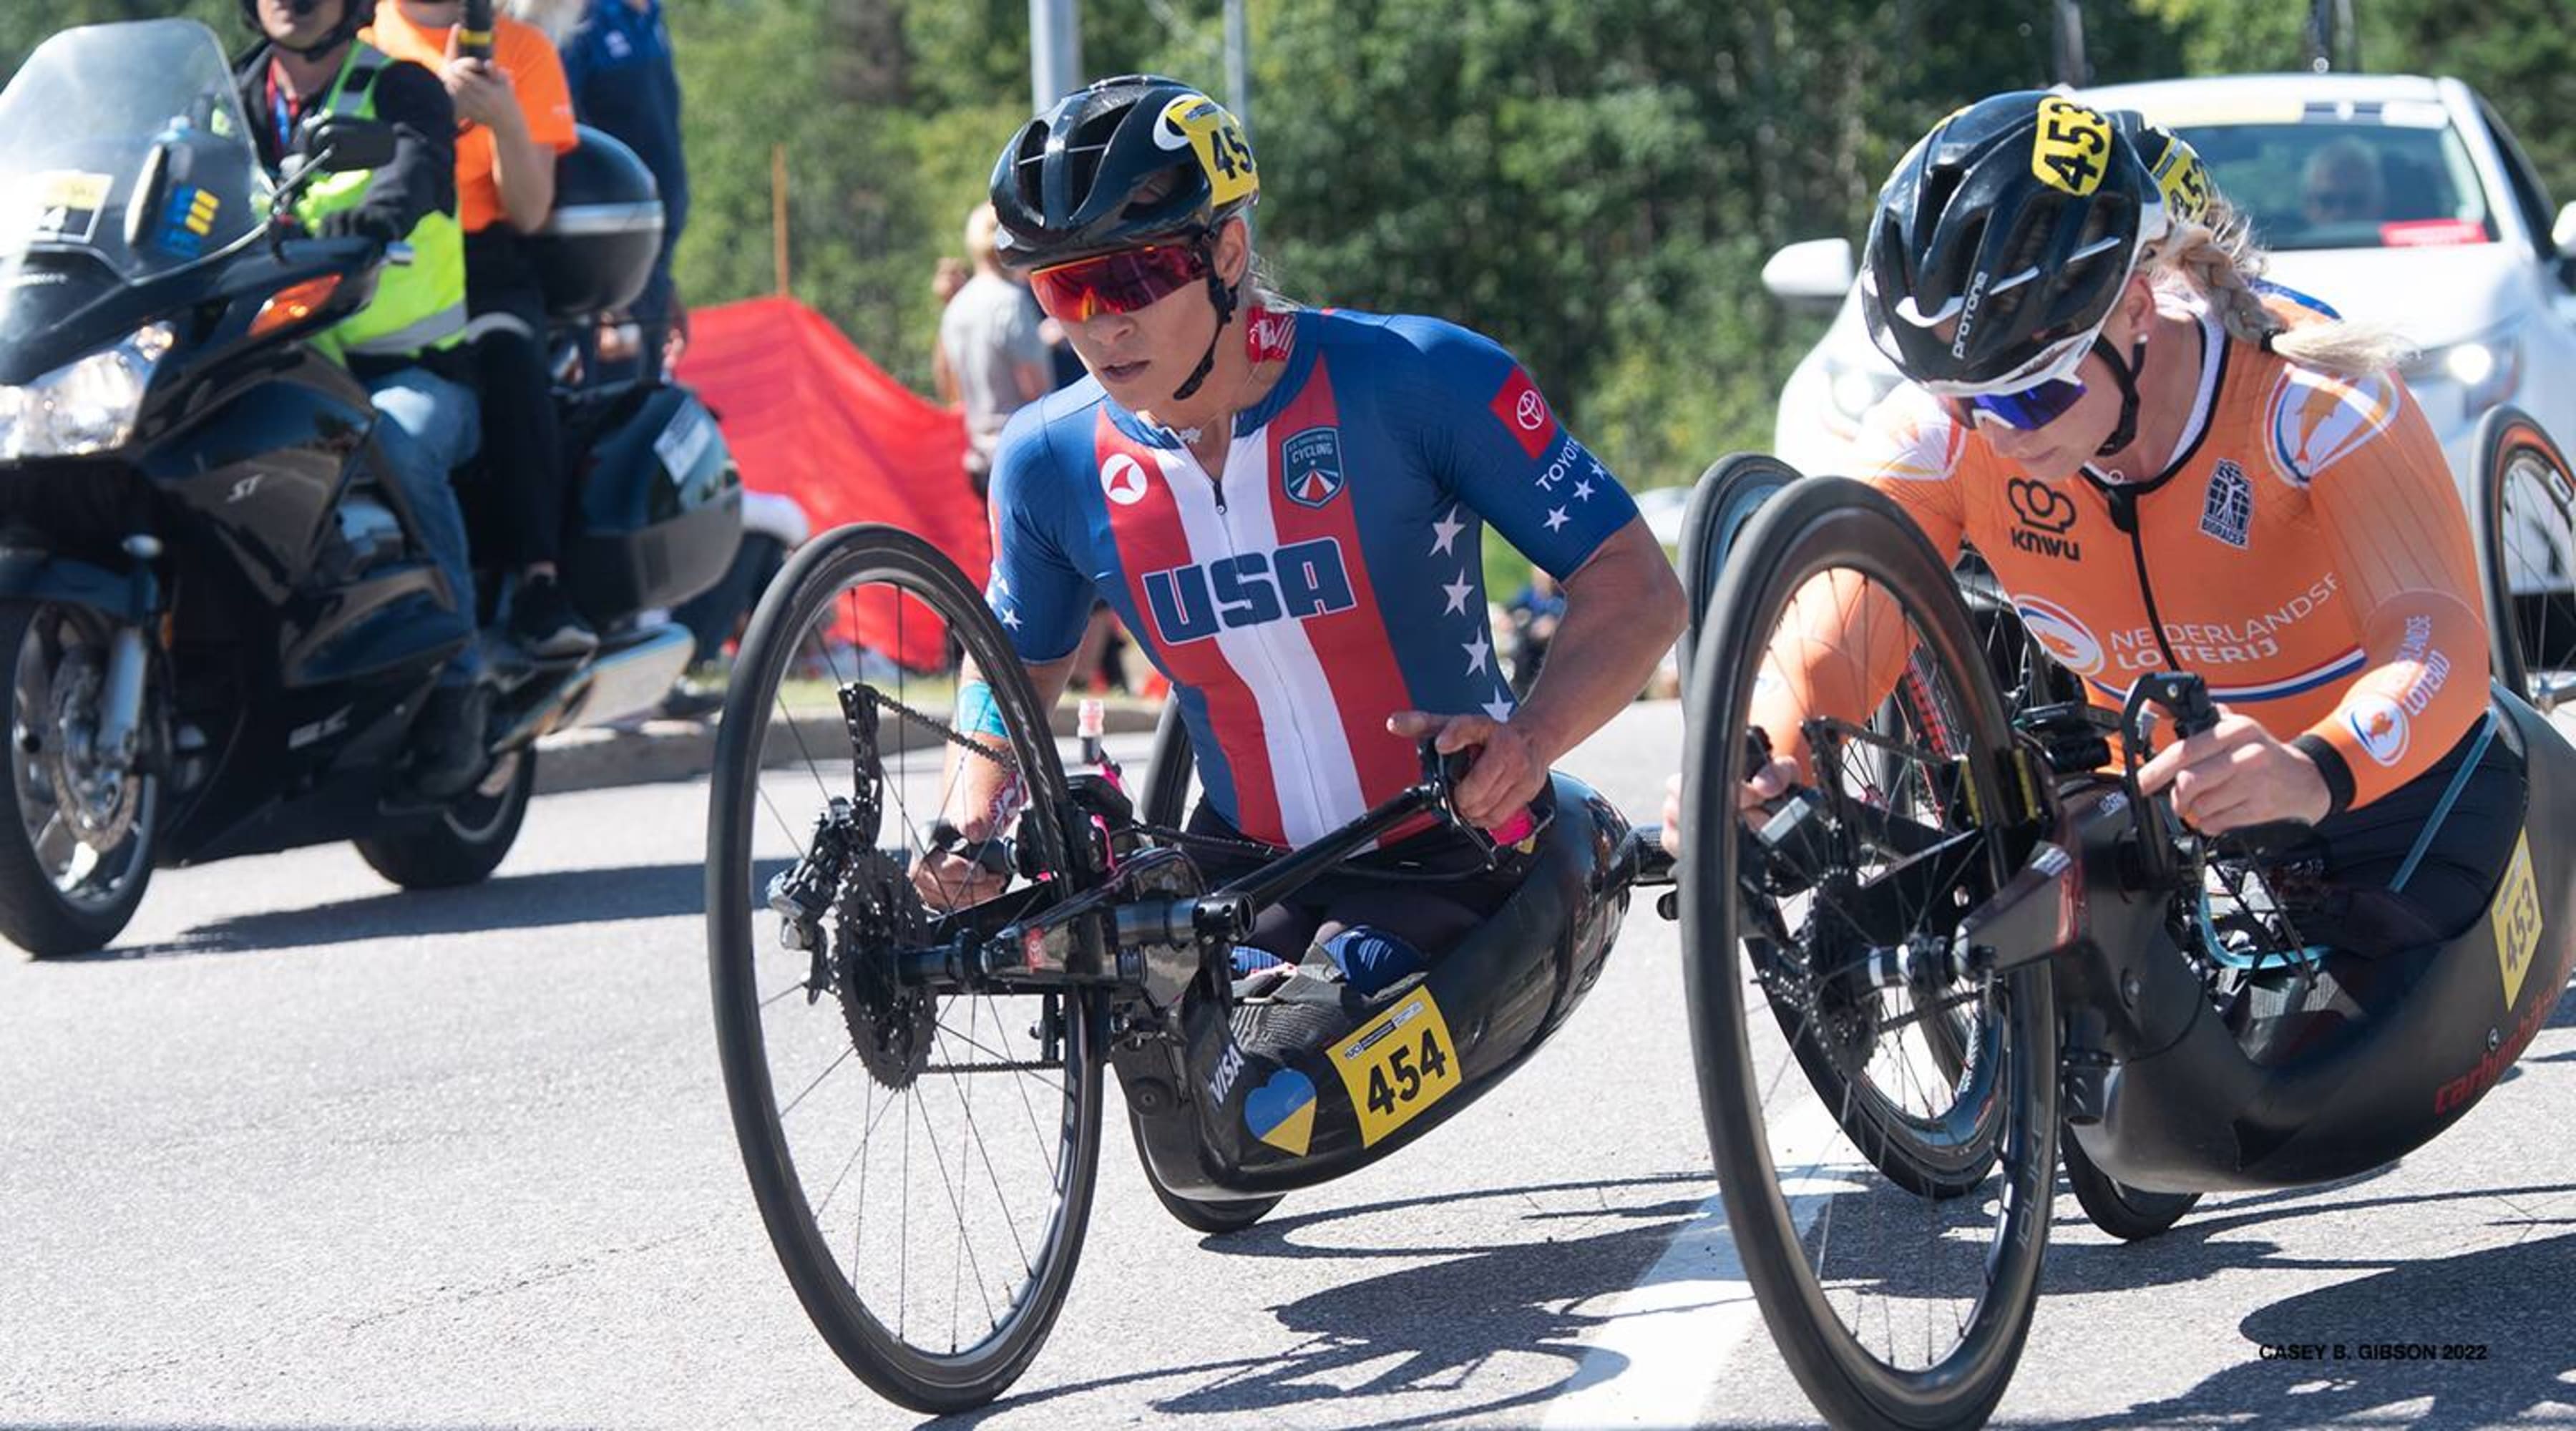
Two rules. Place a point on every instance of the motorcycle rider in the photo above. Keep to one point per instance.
(515, 120)
(310, 61)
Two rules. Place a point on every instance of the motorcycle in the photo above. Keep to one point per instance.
(219, 619)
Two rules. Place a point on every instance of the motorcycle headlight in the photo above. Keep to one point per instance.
(85, 406)
(2488, 369)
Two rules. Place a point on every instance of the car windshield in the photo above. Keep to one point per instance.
(123, 145)
(2363, 176)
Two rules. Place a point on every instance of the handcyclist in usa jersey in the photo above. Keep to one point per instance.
(1286, 507)
(2169, 467)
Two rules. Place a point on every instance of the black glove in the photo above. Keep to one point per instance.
(361, 222)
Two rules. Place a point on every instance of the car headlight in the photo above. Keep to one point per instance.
(2487, 369)
(85, 406)
(1856, 390)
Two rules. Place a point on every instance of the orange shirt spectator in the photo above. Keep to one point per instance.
(536, 74)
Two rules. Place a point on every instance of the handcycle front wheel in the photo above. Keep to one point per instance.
(923, 1158)
(1723, 505)
(1894, 1305)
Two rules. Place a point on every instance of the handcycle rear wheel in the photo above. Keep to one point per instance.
(1818, 1234)
(2524, 515)
(2127, 1213)
(931, 1247)
(1167, 792)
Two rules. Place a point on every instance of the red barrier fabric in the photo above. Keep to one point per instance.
(809, 417)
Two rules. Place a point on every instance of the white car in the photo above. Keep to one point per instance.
(2425, 217)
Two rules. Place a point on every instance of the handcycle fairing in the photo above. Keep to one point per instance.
(2424, 1035)
(1429, 1047)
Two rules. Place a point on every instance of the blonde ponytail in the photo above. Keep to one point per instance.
(2216, 258)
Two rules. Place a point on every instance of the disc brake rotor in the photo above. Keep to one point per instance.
(892, 1027)
(98, 804)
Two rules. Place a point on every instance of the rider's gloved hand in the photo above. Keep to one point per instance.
(1509, 771)
(2235, 775)
(360, 222)
(950, 878)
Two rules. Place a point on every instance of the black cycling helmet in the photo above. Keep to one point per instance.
(1127, 161)
(1121, 163)
(358, 15)
(2002, 241)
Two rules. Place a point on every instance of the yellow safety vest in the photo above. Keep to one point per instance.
(418, 305)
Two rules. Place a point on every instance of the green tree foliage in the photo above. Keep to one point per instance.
(1594, 182)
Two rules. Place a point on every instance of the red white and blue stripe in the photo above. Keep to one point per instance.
(1329, 577)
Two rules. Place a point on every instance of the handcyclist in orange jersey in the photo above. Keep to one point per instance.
(2171, 466)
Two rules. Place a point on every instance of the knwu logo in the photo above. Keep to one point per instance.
(1192, 603)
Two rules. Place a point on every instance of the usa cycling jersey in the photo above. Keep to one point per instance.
(2304, 549)
(1331, 576)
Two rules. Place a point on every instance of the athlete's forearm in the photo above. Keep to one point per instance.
(969, 787)
(1623, 611)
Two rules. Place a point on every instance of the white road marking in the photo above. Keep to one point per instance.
(1664, 1344)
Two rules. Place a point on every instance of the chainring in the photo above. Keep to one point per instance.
(892, 1027)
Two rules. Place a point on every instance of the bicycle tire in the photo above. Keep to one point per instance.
(1819, 525)
(896, 1368)
(2519, 623)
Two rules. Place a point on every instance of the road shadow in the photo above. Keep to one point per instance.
(1426, 1327)
(527, 901)
(2521, 1365)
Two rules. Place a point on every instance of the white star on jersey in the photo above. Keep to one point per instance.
(1583, 490)
(1476, 651)
(1500, 707)
(1457, 593)
(1446, 530)
(1556, 518)
(1010, 618)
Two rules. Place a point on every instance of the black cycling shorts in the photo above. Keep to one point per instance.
(2416, 866)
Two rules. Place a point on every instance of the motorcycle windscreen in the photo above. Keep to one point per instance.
(124, 154)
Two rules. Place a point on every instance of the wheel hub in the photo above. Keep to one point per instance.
(892, 1027)
(97, 800)
(1847, 1027)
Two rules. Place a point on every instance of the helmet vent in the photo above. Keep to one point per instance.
(1089, 141)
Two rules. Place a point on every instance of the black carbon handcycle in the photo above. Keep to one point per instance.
(918, 1090)
(1964, 945)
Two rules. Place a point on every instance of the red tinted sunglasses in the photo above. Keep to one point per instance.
(1120, 282)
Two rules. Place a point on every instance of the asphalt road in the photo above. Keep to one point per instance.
(302, 1151)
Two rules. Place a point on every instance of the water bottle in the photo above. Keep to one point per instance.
(1089, 723)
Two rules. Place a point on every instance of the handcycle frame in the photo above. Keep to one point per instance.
(1141, 943)
(2159, 1091)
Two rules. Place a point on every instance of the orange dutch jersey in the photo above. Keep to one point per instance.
(536, 73)
(2305, 551)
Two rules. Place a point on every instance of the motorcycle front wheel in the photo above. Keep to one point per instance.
(76, 859)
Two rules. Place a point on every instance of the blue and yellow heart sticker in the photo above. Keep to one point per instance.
(1281, 1112)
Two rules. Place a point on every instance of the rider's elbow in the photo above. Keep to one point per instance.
(1664, 607)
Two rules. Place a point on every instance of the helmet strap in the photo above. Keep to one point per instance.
(1222, 295)
(2126, 376)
